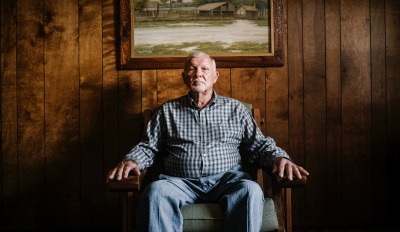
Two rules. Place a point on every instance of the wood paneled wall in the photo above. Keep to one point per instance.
(68, 115)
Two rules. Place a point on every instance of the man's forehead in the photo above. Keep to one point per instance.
(201, 61)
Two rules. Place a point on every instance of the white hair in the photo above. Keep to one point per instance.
(199, 54)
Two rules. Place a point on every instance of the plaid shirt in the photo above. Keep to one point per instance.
(201, 142)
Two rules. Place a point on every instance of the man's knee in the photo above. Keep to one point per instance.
(159, 188)
(252, 189)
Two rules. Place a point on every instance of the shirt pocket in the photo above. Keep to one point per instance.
(222, 133)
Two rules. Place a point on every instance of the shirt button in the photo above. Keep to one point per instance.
(204, 155)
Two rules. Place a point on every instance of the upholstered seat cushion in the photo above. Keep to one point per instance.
(209, 217)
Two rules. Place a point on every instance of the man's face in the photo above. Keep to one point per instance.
(199, 75)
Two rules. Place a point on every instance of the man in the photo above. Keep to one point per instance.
(200, 135)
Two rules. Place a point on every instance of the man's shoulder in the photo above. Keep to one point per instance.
(173, 103)
(225, 99)
(230, 101)
(179, 100)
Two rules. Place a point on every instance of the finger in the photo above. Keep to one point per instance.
(120, 170)
(303, 171)
(282, 168)
(127, 168)
(289, 171)
(136, 170)
(111, 174)
(297, 172)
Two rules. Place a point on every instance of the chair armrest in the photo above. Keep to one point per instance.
(284, 182)
(129, 184)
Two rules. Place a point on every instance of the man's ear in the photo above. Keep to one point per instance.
(216, 76)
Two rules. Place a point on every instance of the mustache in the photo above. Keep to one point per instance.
(197, 79)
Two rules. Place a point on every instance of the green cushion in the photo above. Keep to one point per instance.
(209, 217)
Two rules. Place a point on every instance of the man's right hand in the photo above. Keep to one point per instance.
(123, 169)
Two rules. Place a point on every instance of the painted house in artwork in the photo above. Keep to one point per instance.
(248, 12)
(152, 8)
(217, 8)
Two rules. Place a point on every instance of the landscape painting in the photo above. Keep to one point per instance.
(178, 27)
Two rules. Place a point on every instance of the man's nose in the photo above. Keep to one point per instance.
(198, 72)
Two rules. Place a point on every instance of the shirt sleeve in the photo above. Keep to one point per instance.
(145, 151)
(260, 149)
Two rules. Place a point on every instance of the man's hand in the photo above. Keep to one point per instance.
(123, 169)
(284, 167)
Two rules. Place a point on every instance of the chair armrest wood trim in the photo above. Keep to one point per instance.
(284, 182)
(129, 184)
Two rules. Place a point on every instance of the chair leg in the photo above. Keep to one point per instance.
(124, 207)
(288, 209)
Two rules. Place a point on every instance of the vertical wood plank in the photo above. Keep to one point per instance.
(277, 110)
(90, 116)
(333, 198)
(315, 106)
(378, 116)
(9, 142)
(130, 110)
(149, 89)
(62, 114)
(392, 9)
(110, 111)
(356, 105)
(223, 85)
(277, 102)
(30, 73)
(169, 85)
(296, 99)
(248, 85)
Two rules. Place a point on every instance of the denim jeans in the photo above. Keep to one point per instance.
(241, 198)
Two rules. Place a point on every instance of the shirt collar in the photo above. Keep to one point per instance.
(214, 99)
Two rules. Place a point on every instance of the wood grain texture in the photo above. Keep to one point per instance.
(392, 13)
(31, 150)
(356, 105)
(64, 103)
(333, 111)
(315, 104)
(169, 85)
(112, 209)
(91, 114)
(149, 89)
(223, 85)
(245, 81)
(9, 103)
(63, 168)
(130, 110)
(296, 99)
(378, 101)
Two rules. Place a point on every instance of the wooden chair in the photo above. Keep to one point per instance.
(198, 217)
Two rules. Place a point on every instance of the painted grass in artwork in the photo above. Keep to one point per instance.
(183, 23)
(208, 47)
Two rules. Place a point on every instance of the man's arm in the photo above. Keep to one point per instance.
(141, 156)
(266, 153)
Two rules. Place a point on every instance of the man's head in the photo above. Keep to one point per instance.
(200, 72)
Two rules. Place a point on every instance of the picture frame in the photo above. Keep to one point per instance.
(128, 61)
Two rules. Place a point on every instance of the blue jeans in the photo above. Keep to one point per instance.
(241, 198)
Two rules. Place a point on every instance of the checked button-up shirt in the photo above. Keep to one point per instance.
(198, 142)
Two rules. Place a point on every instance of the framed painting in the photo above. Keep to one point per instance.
(159, 34)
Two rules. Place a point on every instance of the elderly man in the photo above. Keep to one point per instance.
(200, 135)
